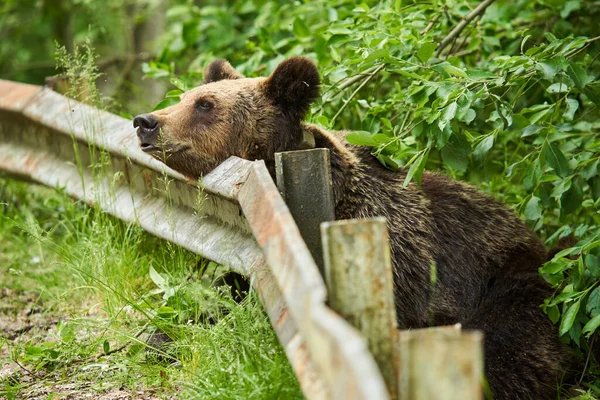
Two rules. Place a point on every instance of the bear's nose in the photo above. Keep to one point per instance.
(146, 122)
(147, 130)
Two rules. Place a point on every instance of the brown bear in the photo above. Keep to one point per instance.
(486, 259)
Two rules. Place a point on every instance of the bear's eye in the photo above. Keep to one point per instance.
(204, 105)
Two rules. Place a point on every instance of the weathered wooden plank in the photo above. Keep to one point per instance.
(441, 363)
(304, 181)
(277, 234)
(135, 201)
(358, 274)
(15, 97)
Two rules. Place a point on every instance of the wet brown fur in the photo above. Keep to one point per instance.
(486, 259)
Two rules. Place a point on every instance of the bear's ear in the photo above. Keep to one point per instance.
(219, 70)
(294, 85)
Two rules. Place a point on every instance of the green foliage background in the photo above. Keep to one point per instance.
(510, 104)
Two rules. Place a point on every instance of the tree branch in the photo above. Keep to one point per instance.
(479, 10)
(432, 23)
(369, 77)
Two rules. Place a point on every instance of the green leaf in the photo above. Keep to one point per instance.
(387, 162)
(532, 130)
(189, 32)
(557, 88)
(411, 75)
(560, 187)
(377, 54)
(533, 210)
(578, 75)
(592, 263)
(386, 122)
(441, 136)
(571, 251)
(300, 29)
(553, 313)
(556, 159)
(572, 106)
(525, 39)
(426, 51)
(570, 200)
(568, 318)
(548, 68)
(565, 296)
(106, 347)
(469, 116)
(322, 120)
(157, 278)
(593, 302)
(178, 83)
(592, 91)
(452, 70)
(532, 175)
(165, 312)
(416, 169)
(591, 326)
(591, 245)
(335, 54)
(480, 75)
(362, 138)
(484, 146)
(569, 7)
(590, 170)
(33, 350)
(168, 102)
(339, 31)
(397, 5)
(556, 266)
(449, 112)
(456, 152)
(533, 50)
(174, 93)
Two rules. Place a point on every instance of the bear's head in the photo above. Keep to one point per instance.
(229, 115)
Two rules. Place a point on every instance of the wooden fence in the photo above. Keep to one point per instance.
(238, 218)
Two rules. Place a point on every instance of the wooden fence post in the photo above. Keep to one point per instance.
(358, 274)
(304, 180)
(440, 363)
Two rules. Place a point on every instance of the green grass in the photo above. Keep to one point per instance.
(81, 291)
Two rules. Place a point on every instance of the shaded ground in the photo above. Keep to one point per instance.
(23, 319)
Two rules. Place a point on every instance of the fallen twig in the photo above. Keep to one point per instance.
(25, 369)
(120, 348)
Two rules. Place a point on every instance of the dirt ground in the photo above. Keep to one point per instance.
(24, 319)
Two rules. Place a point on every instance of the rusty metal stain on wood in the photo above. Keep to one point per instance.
(55, 140)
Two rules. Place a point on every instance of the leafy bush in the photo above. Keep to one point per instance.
(509, 102)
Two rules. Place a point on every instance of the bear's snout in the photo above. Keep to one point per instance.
(148, 128)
